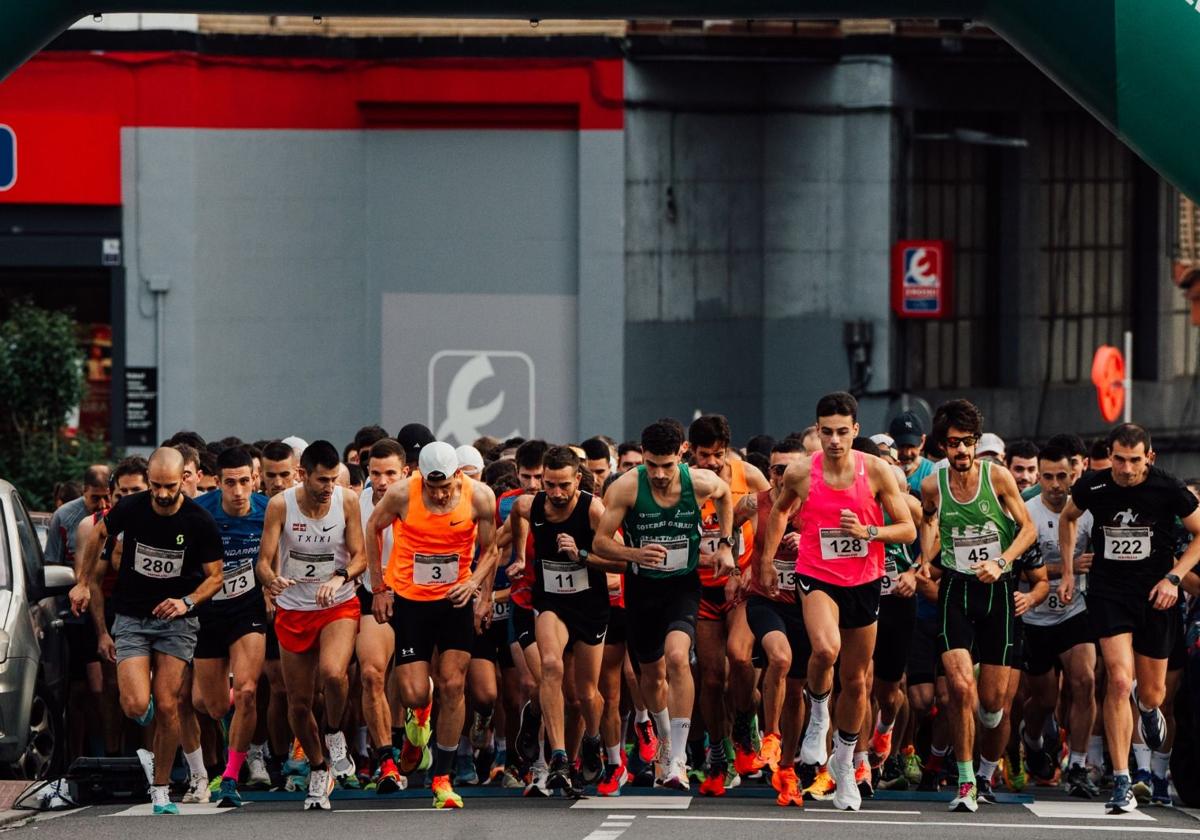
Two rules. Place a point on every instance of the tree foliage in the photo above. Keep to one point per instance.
(42, 381)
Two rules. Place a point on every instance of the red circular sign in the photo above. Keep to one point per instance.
(1108, 375)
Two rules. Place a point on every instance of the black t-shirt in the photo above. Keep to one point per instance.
(1133, 532)
(163, 556)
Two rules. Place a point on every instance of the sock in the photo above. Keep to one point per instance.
(990, 720)
(843, 748)
(860, 758)
(614, 754)
(819, 712)
(679, 738)
(397, 734)
(360, 742)
(443, 760)
(464, 747)
(1142, 708)
(1159, 763)
(195, 763)
(716, 751)
(382, 754)
(557, 754)
(501, 745)
(1077, 759)
(1095, 751)
(233, 767)
(987, 768)
(662, 724)
(937, 757)
(881, 727)
(966, 772)
(160, 793)
(1032, 743)
(1141, 756)
(1119, 773)
(642, 715)
(541, 759)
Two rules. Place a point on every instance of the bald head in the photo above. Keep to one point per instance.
(167, 458)
(166, 479)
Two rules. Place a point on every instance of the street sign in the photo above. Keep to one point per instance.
(1108, 375)
(921, 278)
(141, 406)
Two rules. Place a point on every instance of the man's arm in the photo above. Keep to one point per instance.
(81, 592)
(267, 569)
(354, 537)
(1039, 590)
(1165, 594)
(595, 517)
(902, 531)
(930, 534)
(1068, 526)
(795, 490)
(708, 485)
(1005, 487)
(620, 498)
(483, 504)
(756, 482)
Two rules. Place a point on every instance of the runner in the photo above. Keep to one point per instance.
(172, 562)
(1132, 588)
(428, 590)
(658, 507)
(599, 460)
(629, 455)
(908, 434)
(312, 549)
(974, 511)
(778, 628)
(233, 626)
(840, 566)
(570, 599)
(1021, 458)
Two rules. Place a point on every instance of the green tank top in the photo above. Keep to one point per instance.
(973, 531)
(677, 528)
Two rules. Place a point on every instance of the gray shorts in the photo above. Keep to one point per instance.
(139, 636)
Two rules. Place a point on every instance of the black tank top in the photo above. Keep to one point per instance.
(555, 575)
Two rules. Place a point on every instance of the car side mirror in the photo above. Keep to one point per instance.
(57, 580)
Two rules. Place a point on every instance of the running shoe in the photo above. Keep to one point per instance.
(677, 777)
(146, 759)
(537, 781)
(881, 747)
(1153, 727)
(788, 786)
(983, 790)
(1160, 791)
(862, 778)
(464, 770)
(444, 795)
(615, 777)
(591, 760)
(510, 778)
(967, 799)
(647, 740)
(912, 765)
(891, 776)
(227, 794)
(845, 796)
(1141, 786)
(528, 732)
(1122, 801)
(481, 730)
(822, 788)
(1014, 774)
(146, 717)
(559, 775)
(389, 780)
(197, 790)
(416, 725)
(1080, 784)
(814, 750)
(769, 753)
(410, 756)
(320, 785)
(745, 754)
(257, 777)
(714, 779)
(162, 801)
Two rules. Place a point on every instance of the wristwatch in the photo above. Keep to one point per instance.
(872, 532)
(1002, 563)
(1175, 581)
(583, 555)
(345, 575)
(725, 541)
(188, 602)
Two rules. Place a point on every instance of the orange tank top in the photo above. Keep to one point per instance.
(432, 551)
(710, 528)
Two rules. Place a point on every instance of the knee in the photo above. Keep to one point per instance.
(330, 676)
(450, 686)
(780, 659)
(1083, 686)
(1120, 684)
(372, 679)
(587, 695)
(133, 707)
(678, 661)
(824, 654)
(713, 679)
(166, 707)
(960, 687)
(854, 684)
(552, 669)
(245, 696)
(1151, 696)
(740, 658)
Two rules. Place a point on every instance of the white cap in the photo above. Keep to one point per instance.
(469, 459)
(437, 461)
(883, 439)
(298, 444)
(989, 444)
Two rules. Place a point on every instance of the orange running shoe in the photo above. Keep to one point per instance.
(714, 779)
(768, 753)
(822, 787)
(881, 747)
(788, 785)
(410, 756)
(746, 761)
(444, 795)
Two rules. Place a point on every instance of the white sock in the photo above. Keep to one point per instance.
(843, 750)
(987, 769)
(1034, 743)
(860, 759)
(679, 737)
(662, 724)
(1141, 756)
(642, 715)
(1077, 759)
(1124, 772)
(880, 727)
(501, 745)
(1160, 762)
(614, 754)
(1095, 751)
(160, 794)
(819, 711)
(195, 763)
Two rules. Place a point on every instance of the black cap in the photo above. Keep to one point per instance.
(412, 437)
(907, 430)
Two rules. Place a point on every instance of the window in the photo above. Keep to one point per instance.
(31, 549)
(1183, 336)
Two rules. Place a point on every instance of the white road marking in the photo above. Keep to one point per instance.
(613, 824)
(1079, 811)
(198, 810)
(636, 803)
(621, 816)
(611, 829)
(1119, 825)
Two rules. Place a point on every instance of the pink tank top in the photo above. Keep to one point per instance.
(826, 552)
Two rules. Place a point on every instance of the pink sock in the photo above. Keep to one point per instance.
(233, 768)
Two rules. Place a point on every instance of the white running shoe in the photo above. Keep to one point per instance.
(846, 797)
(339, 755)
(197, 790)
(320, 785)
(147, 760)
(537, 787)
(256, 770)
(816, 736)
(677, 777)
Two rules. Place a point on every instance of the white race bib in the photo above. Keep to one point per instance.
(559, 578)
(1054, 602)
(837, 544)
(435, 569)
(308, 568)
(976, 548)
(677, 552)
(158, 563)
(500, 610)
(891, 576)
(786, 569)
(1127, 542)
(236, 585)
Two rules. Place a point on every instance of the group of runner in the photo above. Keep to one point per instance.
(571, 619)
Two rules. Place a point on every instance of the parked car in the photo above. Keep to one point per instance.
(33, 652)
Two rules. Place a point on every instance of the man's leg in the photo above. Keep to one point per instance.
(821, 616)
(300, 678)
(450, 679)
(168, 677)
(853, 708)
(375, 645)
(712, 667)
(964, 698)
(246, 657)
(333, 665)
(551, 641)
(743, 680)
(775, 686)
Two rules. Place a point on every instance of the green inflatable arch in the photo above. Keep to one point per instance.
(1134, 63)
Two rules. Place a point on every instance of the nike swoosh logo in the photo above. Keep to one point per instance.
(459, 522)
(330, 528)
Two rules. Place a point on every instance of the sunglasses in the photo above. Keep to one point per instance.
(953, 443)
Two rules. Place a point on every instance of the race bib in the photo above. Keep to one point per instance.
(559, 578)
(709, 544)
(976, 548)
(158, 563)
(236, 585)
(1054, 602)
(891, 576)
(787, 575)
(1127, 542)
(435, 569)
(308, 568)
(500, 610)
(677, 552)
(837, 544)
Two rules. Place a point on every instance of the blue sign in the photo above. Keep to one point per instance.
(8, 158)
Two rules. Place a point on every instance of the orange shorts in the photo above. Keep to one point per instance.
(298, 630)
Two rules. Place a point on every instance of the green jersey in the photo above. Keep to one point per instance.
(677, 529)
(973, 531)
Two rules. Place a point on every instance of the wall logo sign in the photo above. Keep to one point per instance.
(921, 280)
(480, 392)
(8, 158)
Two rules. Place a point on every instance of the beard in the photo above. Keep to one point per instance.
(169, 501)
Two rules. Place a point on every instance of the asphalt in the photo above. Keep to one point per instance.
(634, 816)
